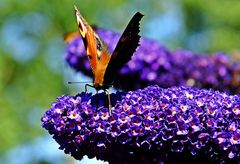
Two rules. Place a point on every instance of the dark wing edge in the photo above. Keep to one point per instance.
(126, 46)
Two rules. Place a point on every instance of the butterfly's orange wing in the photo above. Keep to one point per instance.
(97, 50)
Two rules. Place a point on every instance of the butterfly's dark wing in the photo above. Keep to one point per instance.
(124, 50)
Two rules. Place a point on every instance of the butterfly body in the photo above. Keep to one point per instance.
(104, 65)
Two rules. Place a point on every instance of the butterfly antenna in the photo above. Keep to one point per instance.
(76, 82)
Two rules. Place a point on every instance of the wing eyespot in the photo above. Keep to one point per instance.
(99, 47)
(98, 44)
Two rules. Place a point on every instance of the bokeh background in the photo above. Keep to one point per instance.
(33, 71)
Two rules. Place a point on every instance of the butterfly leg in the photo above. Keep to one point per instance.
(88, 85)
(109, 101)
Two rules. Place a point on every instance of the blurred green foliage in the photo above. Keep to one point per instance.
(217, 20)
(32, 50)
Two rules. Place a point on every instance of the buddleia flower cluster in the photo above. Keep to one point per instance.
(153, 64)
(152, 125)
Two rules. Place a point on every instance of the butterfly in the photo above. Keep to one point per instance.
(104, 65)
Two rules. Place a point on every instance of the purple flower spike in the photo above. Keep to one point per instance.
(153, 125)
(154, 64)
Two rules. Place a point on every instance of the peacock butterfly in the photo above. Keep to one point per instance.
(104, 65)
